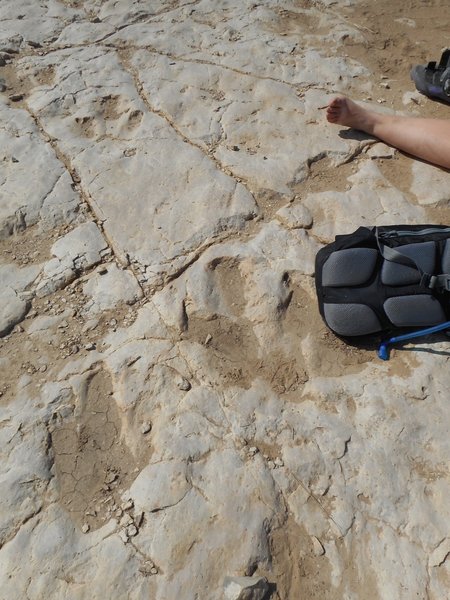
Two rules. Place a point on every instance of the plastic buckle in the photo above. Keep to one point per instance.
(428, 281)
(440, 282)
(431, 283)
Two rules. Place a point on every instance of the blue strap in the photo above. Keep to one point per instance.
(383, 351)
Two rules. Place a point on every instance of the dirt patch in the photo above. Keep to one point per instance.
(134, 118)
(397, 35)
(109, 107)
(55, 328)
(17, 86)
(29, 245)
(323, 354)
(231, 283)
(85, 126)
(232, 348)
(297, 567)
(301, 21)
(93, 465)
(305, 348)
(324, 176)
(269, 202)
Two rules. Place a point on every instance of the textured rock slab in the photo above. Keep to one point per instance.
(27, 159)
(214, 517)
(12, 309)
(119, 13)
(274, 448)
(126, 155)
(295, 217)
(160, 486)
(370, 200)
(18, 278)
(27, 21)
(109, 287)
(430, 184)
(76, 552)
(269, 141)
(245, 39)
(81, 248)
(25, 473)
(245, 588)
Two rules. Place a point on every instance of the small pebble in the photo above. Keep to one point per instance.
(154, 571)
(128, 505)
(90, 346)
(85, 528)
(138, 518)
(253, 450)
(208, 339)
(110, 478)
(271, 464)
(146, 428)
(132, 530)
(184, 385)
(123, 536)
(278, 462)
(126, 520)
(318, 548)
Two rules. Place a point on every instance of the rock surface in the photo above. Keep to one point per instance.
(175, 419)
(245, 588)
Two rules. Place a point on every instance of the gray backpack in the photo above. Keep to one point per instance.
(381, 280)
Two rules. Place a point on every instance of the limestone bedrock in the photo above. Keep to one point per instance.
(175, 419)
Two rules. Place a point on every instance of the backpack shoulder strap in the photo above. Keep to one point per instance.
(438, 282)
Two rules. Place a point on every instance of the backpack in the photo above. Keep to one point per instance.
(386, 280)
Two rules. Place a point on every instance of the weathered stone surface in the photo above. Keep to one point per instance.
(370, 200)
(25, 22)
(245, 588)
(160, 485)
(430, 184)
(81, 248)
(12, 309)
(119, 148)
(177, 154)
(110, 286)
(34, 185)
(295, 217)
(270, 141)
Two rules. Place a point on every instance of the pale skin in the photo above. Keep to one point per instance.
(427, 139)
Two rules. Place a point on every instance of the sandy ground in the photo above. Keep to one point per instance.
(90, 443)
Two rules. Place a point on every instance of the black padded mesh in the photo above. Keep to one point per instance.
(353, 266)
(419, 310)
(351, 319)
(423, 254)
